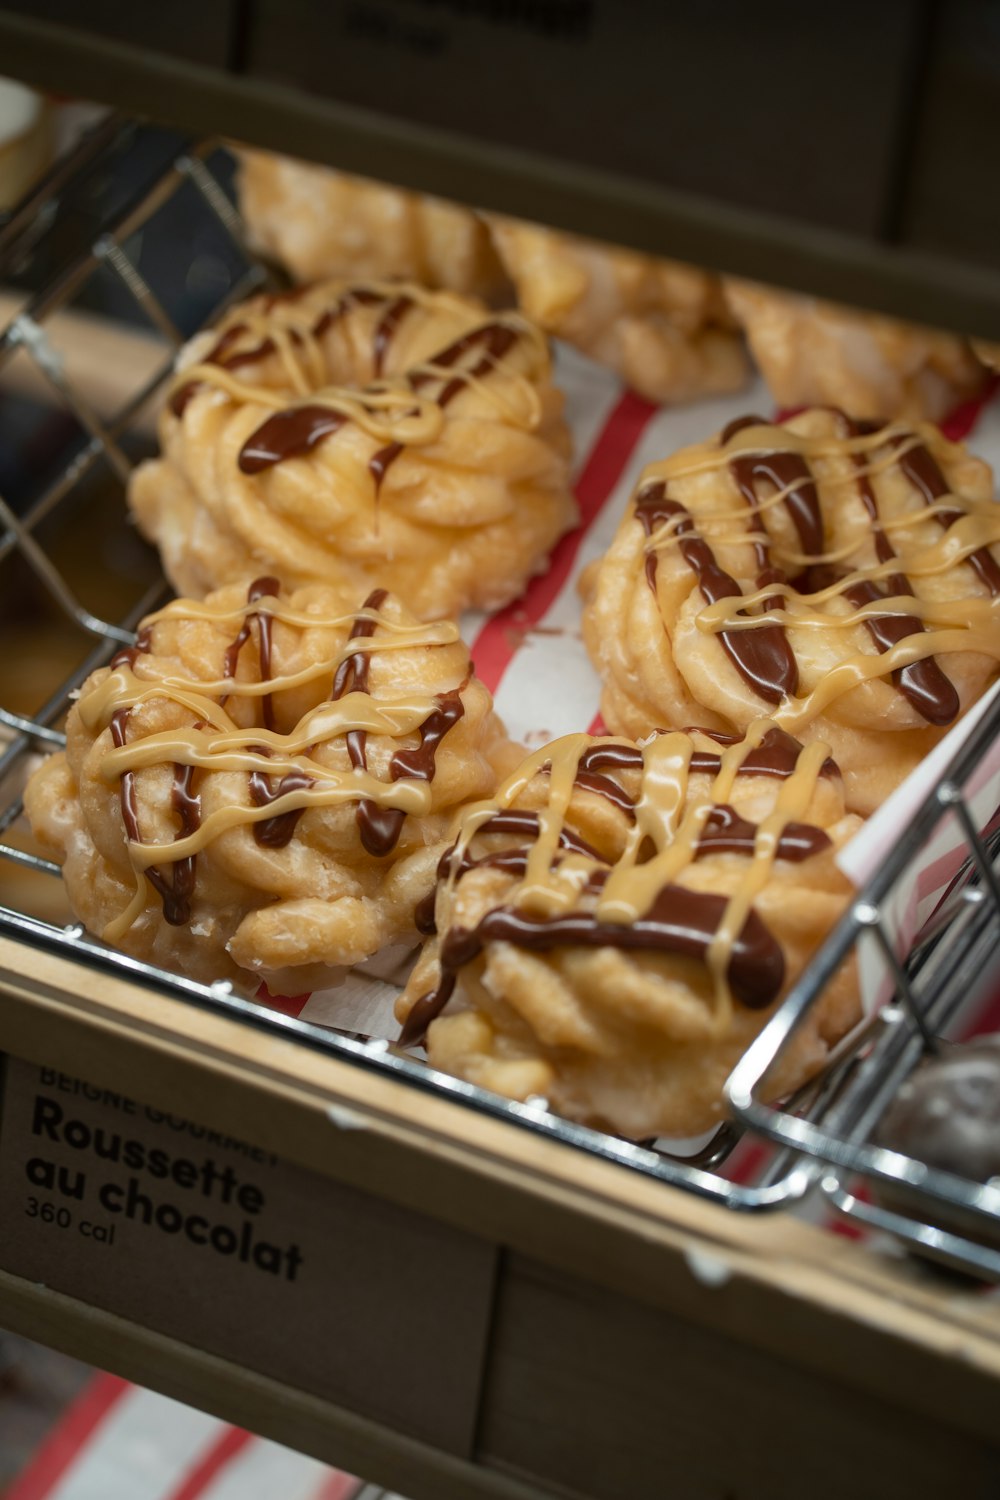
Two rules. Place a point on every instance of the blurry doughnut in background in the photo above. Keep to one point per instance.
(988, 353)
(815, 353)
(662, 326)
(319, 223)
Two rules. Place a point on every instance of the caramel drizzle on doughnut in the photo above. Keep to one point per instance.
(284, 776)
(788, 473)
(498, 339)
(393, 411)
(923, 683)
(261, 588)
(908, 639)
(175, 888)
(227, 356)
(763, 658)
(776, 754)
(636, 903)
(288, 434)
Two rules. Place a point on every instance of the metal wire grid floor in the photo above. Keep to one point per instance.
(827, 1123)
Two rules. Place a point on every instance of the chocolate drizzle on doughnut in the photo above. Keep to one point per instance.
(386, 330)
(923, 683)
(380, 463)
(515, 859)
(922, 470)
(276, 832)
(179, 400)
(273, 833)
(726, 832)
(129, 655)
(175, 888)
(290, 433)
(679, 921)
(786, 471)
(498, 339)
(379, 827)
(676, 919)
(763, 657)
(261, 588)
(287, 435)
(358, 296)
(776, 755)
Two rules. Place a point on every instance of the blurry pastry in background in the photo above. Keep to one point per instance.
(947, 1113)
(619, 921)
(362, 433)
(262, 787)
(662, 326)
(26, 140)
(320, 223)
(816, 353)
(841, 577)
(947, 1116)
(988, 353)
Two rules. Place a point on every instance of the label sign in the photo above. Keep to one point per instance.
(219, 1243)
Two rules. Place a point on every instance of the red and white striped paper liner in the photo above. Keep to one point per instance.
(120, 1442)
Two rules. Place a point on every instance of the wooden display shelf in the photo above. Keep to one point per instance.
(538, 1322)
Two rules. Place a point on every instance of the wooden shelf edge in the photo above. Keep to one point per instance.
(785, 1287)
(330, 1433)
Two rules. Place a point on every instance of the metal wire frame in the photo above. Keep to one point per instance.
(929, 989)
(784, 1180)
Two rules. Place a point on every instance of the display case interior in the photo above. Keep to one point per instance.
(97, 302)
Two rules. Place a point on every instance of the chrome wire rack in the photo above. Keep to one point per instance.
(96, 246)
(936, 1213)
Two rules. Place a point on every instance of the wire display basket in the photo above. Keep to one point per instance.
(136, 230)
(937, 1213)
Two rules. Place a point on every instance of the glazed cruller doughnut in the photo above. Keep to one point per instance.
(321, 223)
(814, 353)
(842, 577)
(261, 787)
(619, 921)
(371, 433)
